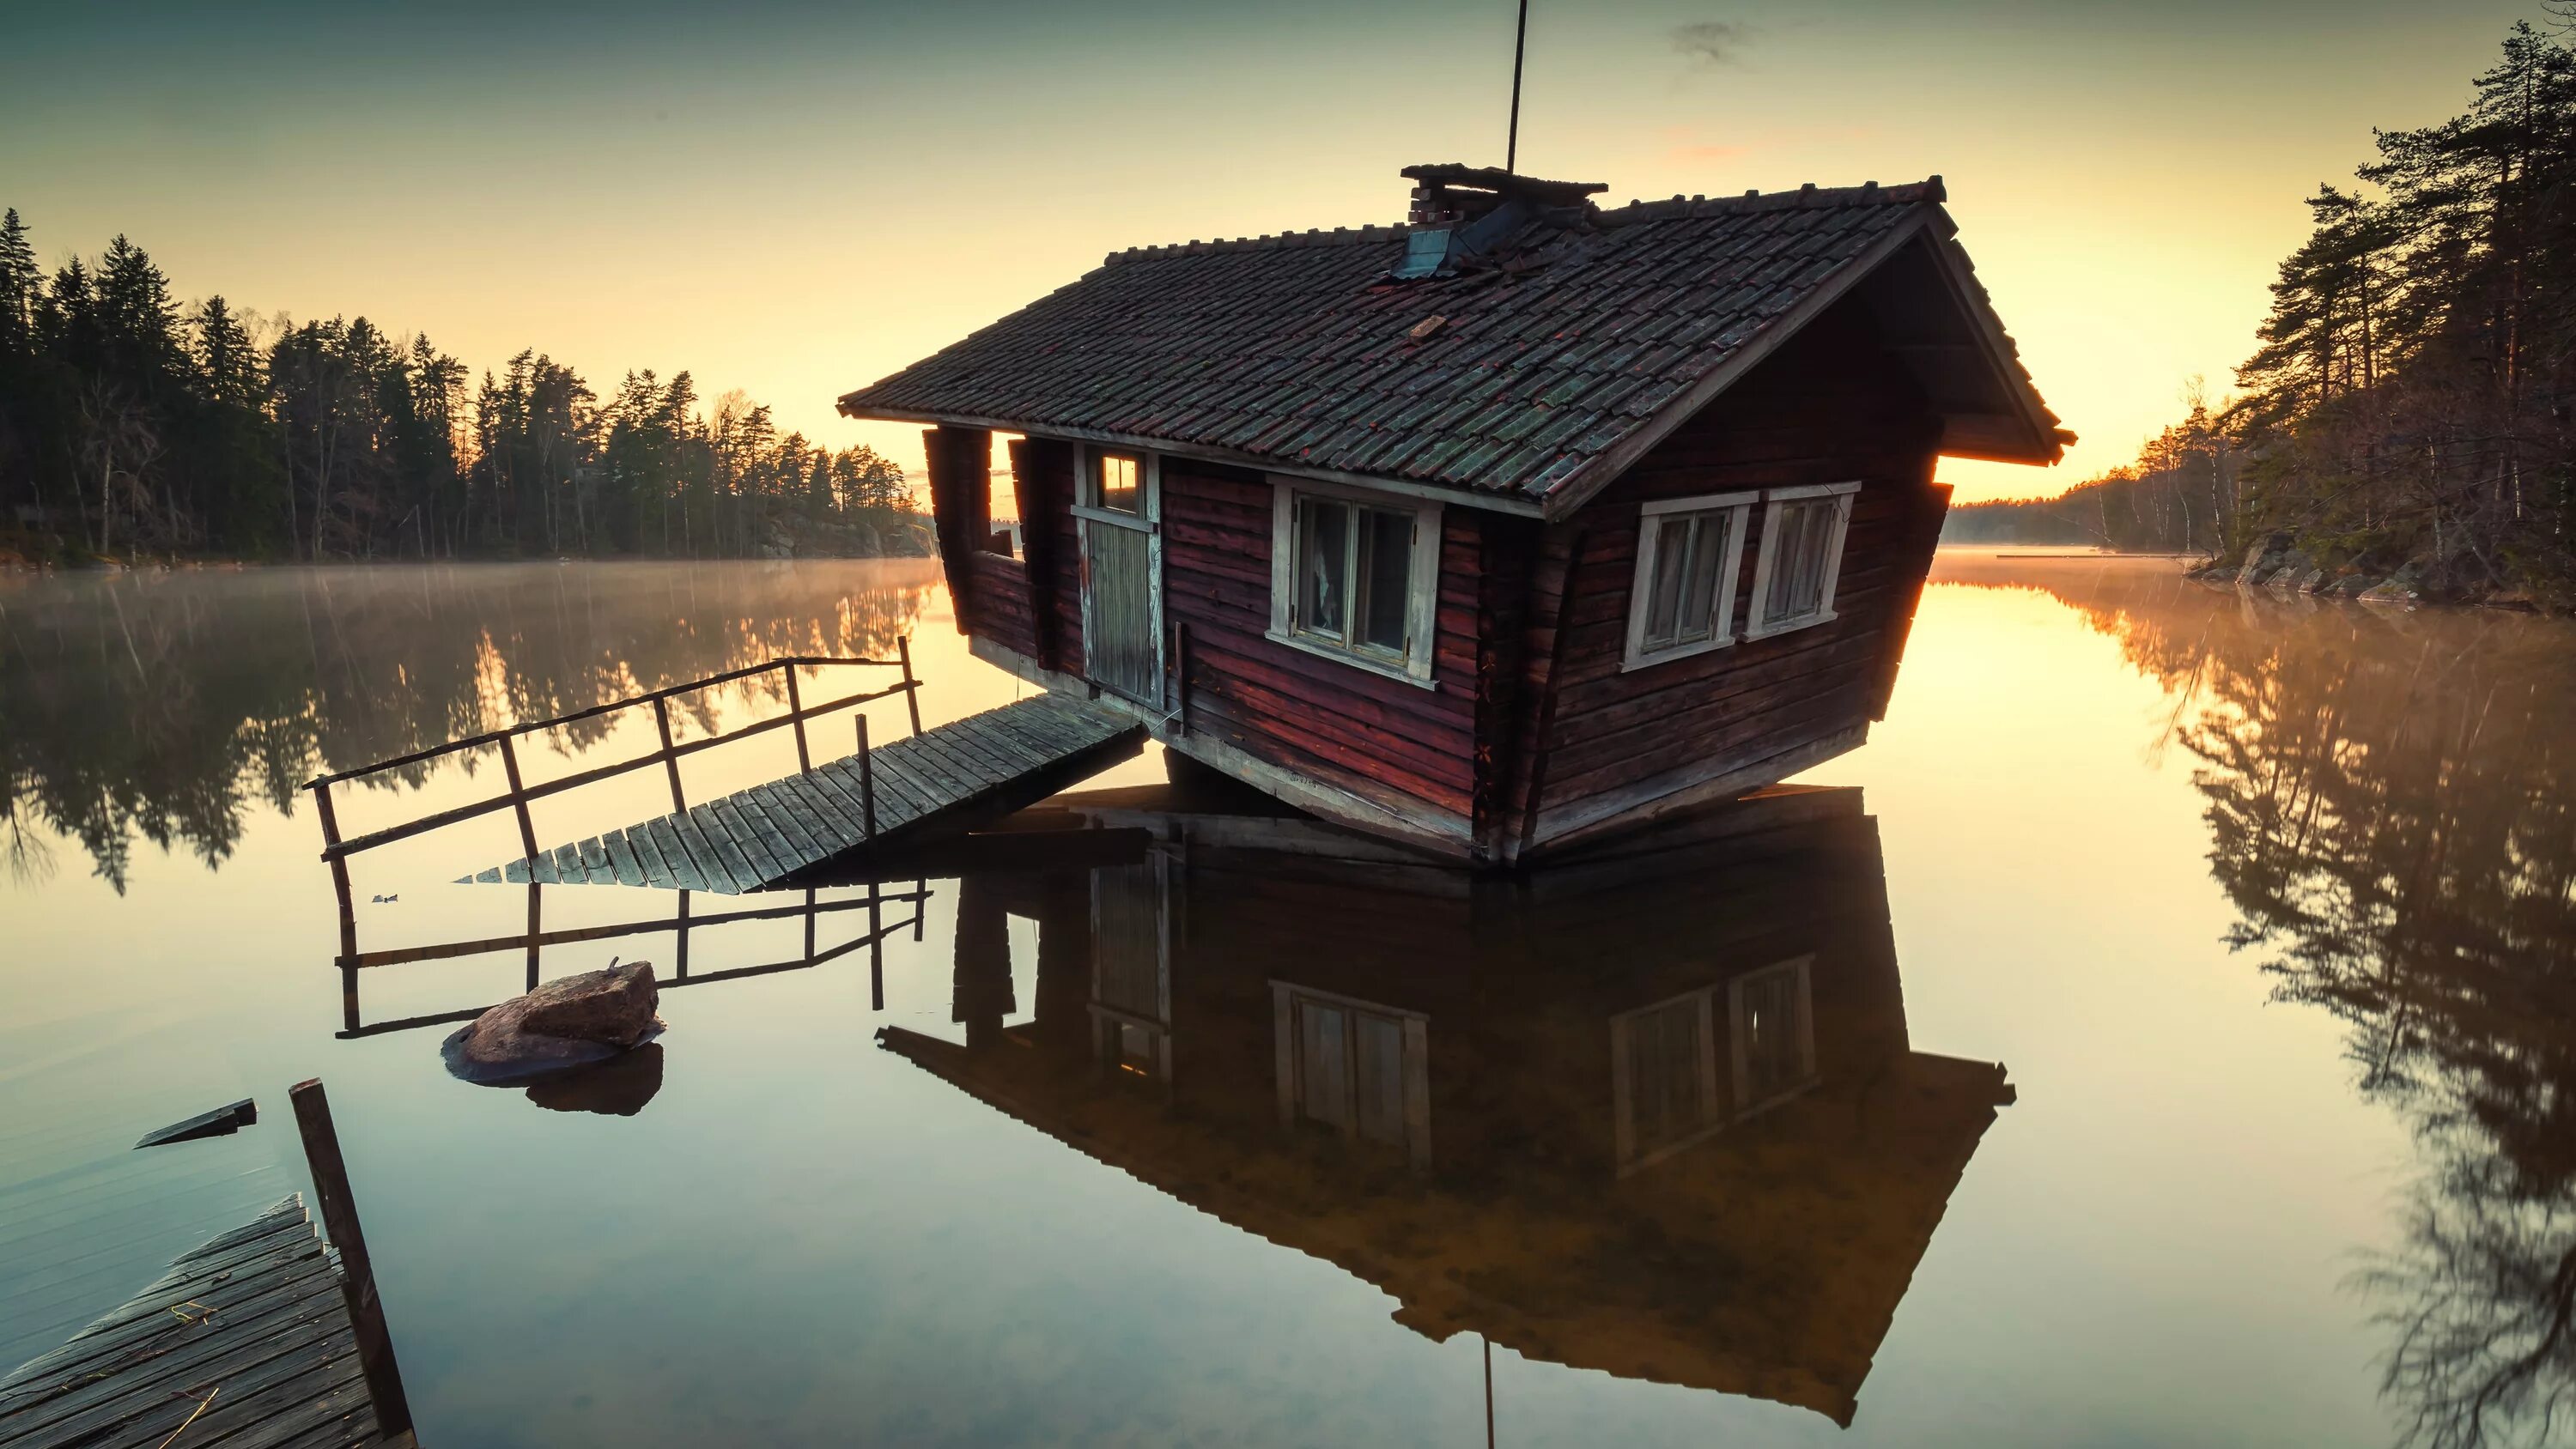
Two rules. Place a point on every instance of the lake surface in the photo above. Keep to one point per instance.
(2170, 1043)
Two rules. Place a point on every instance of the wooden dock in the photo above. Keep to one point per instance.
(969, 770)
(246, 1343)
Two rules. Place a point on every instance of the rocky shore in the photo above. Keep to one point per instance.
(2278, 564)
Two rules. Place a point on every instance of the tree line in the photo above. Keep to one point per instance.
(2412, 400)
(133, 426)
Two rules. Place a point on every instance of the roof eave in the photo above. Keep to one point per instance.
(1511, 503)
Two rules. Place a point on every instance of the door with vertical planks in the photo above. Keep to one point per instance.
(1118, 511)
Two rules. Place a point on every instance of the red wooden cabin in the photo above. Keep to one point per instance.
(1505, 529)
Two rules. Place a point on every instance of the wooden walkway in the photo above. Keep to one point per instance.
(245, 1342)
(980, 766)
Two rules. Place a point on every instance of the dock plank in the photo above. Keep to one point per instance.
(248, 1333)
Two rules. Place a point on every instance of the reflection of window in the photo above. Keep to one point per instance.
(1131, 968)
(1663, 1067)
(1682, 600)
(1801, 558)
(1775, 1042)
(1356, 576)
(1353, 1067)
(1117, 482)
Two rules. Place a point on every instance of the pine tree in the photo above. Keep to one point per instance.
(20, 286)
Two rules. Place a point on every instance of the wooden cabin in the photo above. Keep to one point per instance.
(1655, 1114)
(1513, 526)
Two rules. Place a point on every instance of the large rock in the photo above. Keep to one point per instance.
(569, 1022)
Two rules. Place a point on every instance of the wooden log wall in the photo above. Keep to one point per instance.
(1831, 406)
(1385, 740)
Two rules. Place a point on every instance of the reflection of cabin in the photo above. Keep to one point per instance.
(1513, 526)
(1656, 1116)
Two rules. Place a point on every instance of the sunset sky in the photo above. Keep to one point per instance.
(796, 200)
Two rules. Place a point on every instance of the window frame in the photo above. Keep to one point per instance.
(1628, 1153)
(1775, 501)
(1801, 971)
(1288, 999)
(1422, 597)
(1738, 509)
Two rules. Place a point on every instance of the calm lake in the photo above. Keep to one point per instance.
(2179, 1047)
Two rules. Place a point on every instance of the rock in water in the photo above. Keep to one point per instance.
(569, 1022)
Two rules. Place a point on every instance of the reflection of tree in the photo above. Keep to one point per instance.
(157, 706)
(2392, 805)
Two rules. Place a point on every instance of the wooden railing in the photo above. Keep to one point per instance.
(336, 851)
(810, 910)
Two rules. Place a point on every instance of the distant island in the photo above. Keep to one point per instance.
(131, 428)
(2408, 423)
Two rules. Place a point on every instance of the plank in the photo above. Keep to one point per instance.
(711, 865)
(594, 859)
(788, 812)
(722, 850)
(785, 836)
(568, 866)
(826, 818)
(750, 839)
(622, 855)
(742, 855)
(684, 870)
(648, 856)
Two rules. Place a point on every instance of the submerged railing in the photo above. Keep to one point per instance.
(337, 851)
(536, 938)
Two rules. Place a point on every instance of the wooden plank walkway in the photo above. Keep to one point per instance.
(245, 1342)
(968, 769)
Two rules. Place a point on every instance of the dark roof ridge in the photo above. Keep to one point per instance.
(1311, 237)
(1810, 195)
(1867, 194)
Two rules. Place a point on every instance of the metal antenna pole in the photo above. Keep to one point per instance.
(1520, 46)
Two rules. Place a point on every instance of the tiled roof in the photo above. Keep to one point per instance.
(1509, 379)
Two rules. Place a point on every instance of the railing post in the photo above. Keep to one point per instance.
(339, 871)
(796, 712)
(536, 926)
(683, 974)
(876, 949)
(670, 761)
(920, 899)
(519, 802)
(911, 689)
(867, 780)
(809, 925)
(357, 1272)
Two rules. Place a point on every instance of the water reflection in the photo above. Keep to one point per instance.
(2391, 799)
(1656, 1115)
(160, 707)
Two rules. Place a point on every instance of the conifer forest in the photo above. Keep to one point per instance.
(133, 426)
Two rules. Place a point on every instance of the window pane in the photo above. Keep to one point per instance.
(1323, 1063)
(1121, 488)
(1381, 1078)
(1700, 581)
(1386, 563)
(1664, 584)
(1774, 1042)
(1323, 588)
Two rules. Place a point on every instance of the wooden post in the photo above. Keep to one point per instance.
(911, 689)
(536, 926)
(796, 711)
(670, 761)
(867, 780)
(920, 899)
(809, 925)
(357, 1273)
(349, 997)
(876, 949)
(519, 801)
(684, 938)
(339, 872)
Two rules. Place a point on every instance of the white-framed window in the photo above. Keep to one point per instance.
(1663, 1077)
(1353, 1067)
(1355, 575)
(1801, 557)
(1771, 1016)
(1683, 599)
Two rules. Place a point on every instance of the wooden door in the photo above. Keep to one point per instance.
(1119, 514)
